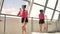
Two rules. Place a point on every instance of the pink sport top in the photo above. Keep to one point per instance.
(41, 16)
(23, 13)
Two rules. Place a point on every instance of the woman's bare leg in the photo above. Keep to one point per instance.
(24, 28)
(44, 25)
(40, 28)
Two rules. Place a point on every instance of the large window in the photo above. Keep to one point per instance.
(48, 13)
(1, 3)
(56, 15)
(35, 10)
(12, 6)
(58, 6)
(42, 2)
(51, 3)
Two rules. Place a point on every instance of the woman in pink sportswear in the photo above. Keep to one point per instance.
(24, 19)
(42, 21)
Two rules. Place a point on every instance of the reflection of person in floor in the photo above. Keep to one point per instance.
(41, 21)
(24, 19)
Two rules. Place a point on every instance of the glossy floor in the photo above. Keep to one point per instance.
(45, 33)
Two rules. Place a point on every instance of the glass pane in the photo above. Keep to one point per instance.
(0, 3)
(28, 26)
(13, 17)
(14, 25)
(48, 13)
(1, 24)
(42, 2)
(12, 6)
(36, 25)
(58, 6)
(35, 10)
(56, 15)
(51, 3)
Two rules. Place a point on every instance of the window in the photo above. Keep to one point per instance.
(58, 6)
(1, 3)
(35, 10)
(12, 6)
(2, 24)
(56, 15)
(51, 3)
(42, 2)
(48, 13)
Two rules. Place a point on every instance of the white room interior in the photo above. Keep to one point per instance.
(10, 23)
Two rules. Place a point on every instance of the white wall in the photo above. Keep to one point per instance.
(13, 26)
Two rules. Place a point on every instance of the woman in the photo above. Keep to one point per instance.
(41, 21)
(24, 14)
